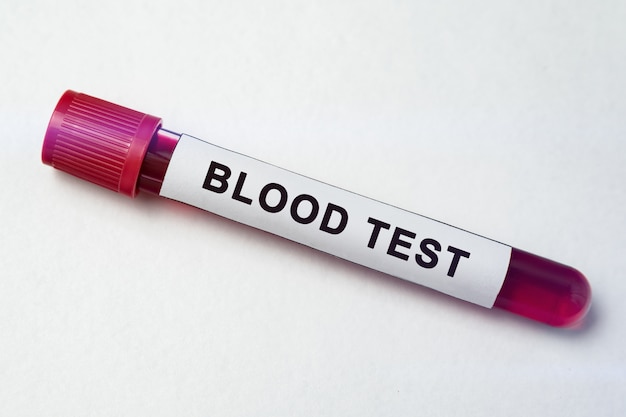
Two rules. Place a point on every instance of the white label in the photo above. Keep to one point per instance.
(344, 224)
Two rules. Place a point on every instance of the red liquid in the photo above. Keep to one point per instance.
(534, 287)
(156, 161)
(544, 290)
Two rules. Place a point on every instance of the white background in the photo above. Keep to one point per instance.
(506, 118)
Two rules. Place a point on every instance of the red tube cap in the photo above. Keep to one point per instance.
(98, 141)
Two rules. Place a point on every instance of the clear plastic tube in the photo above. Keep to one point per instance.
(128, 151)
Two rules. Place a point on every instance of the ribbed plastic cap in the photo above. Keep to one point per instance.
(98, 141)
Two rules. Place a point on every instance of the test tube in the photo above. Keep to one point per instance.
(129, 152)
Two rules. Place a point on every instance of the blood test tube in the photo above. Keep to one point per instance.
(129, 152)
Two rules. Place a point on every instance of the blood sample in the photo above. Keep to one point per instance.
(129, 152)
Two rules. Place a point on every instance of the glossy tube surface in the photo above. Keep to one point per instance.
(544, 290)
(534, 287)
